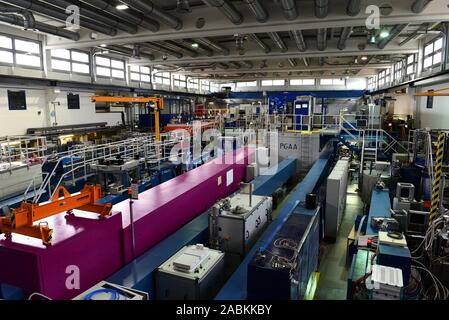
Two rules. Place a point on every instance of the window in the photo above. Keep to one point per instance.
(433, 54)
(214, 87)
(411, 65)
(398, 66)
(179, 81)
(205, 85)
(19, 52)
(107, 67)
(193, 84)
(246, 84)
(302, 82)
(161, 77)
(383, 77)
(332, 82)
(271, 83)
(70, 61)
(140, 74)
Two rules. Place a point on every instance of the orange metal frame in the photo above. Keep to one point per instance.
(157, 101)
(434, 93)
(22, 219)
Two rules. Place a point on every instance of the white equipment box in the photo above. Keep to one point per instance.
(194, 273)
(337, 184)
(386, 283)
(109, 291)
(235, 223)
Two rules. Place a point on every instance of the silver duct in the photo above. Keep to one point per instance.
(227, 8)
(133, 17)
(28, 18)
(306, 63)
(129, 52)
(322, 39)
(257, 9)
(289, 8)
(396, 31)
(60, 15)
(419, 5)
(354, 7)
(88, 13)
(213, 45)
(292, 62)
(297, 36)
(175, 45)
(260, 43)
(345, 34)
(149, 8)
(188, 43)
(278, 41)
(321, 8)
(158, 47)
(42, 27)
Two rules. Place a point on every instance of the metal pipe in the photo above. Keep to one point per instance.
(227, 8)
(292, 62)
(321, 61)
(257, 9)
(297, 36)
(278, 41)
(222, 65)
(213, 45)
(160, 48)
(42, 27)
(134, 17)
(289, 8)
(60, 15)
(236, 65)
(27, 16)
(322, 39)
(247, 64)
(419, 5)
(129, 52)
(149, 8)
(354, 7)
(306, 63)
(91, 14)
(321, 8)
(260, 43)
(395, 31)
(191, 52)
(345, 34)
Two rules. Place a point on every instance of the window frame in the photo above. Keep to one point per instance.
(433, 54)
(71, 61)
(140, 73)
(111, 68)
(14, 52)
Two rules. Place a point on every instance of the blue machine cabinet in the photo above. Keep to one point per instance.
(303, 107)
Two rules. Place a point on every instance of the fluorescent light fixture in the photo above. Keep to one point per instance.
(121, 7)
(195, 45)
(103, 45)
(384, 34)
(364, 58)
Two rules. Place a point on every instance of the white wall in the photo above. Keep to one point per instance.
(438, 116)
(39, 111)
(404, 104)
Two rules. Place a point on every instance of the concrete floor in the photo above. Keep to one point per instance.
(333, 269)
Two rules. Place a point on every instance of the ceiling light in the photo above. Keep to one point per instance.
(195, 45)
(121, 7)
(103, 45)
(384, 34)
(372, 39)
(364, 58)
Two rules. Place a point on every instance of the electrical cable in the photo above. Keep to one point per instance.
(114, 294)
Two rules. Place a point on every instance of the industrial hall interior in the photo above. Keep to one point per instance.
(223, 150)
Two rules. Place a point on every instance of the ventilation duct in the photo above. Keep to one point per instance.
(129, 52)
(419, 5)
(260, 43)
(28, 19)
(175, 45)
(257, 9)
(297, 36)
(292, 62)
(345, 34)
(212, 45)
(157, 47)
(227, 8)
(394, 32)
(289, 8)
(321, 8)
(354, 7)
(322, 39)
(278, 41)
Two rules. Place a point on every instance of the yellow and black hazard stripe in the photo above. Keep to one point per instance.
(437, 182)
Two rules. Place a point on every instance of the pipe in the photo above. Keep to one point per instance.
(297, 36)
(260, 43)
(236, 65)
(321, 8)
(394, 32)
(90, 14)
(257, 9)
(419, 5)
(289, 8)
(42, 27)
(222, 65)
(322, 39)
(321, 61)
(213, 45)
(278, 41)
(160, 48)
(175, 45)
(292, 62)
(247, 64)
(129, 52)
(150, 9)
(306, 63)
(354, 7)
(60, 15)
(345, 34)
(228, 9)
(28, 18)
(127, 15)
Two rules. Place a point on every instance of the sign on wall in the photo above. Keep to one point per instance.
(17, 100)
